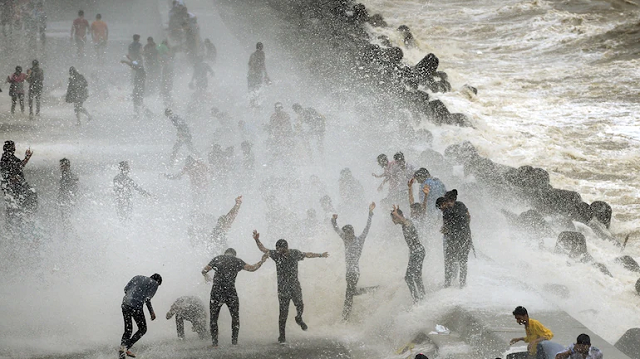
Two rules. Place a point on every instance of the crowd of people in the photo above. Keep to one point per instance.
(437, 209)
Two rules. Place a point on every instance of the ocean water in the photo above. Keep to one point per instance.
(556, 88)
(556, 84)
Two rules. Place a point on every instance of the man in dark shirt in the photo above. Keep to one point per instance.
(352, 251)
(137, 293)
(288, 283)
(223, 291)
(191, 309)
(413, 276)
(457, 236)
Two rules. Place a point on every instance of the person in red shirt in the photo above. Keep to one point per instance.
(79, 31)
(99, 35)
(16, 89)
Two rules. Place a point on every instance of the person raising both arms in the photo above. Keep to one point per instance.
(288, 283)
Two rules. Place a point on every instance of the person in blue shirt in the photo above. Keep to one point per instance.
(432, 187)
(137, 293)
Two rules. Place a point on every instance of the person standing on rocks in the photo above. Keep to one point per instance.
(288, 283)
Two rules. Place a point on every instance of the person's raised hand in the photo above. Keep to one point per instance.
(325, 255)
(372, 206)
(410, 183)
(256, 235)
(239, 200)
(335, 216)
(153, 316)
(28, 152)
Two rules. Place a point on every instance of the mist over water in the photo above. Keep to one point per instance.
(542, 100)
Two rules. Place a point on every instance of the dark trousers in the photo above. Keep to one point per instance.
(14, 99)
(352, 290)
(137, 314)
(413, 276)
(37, 95)
(78, 108)
(455, 251)
(286, 295)
(233, 303)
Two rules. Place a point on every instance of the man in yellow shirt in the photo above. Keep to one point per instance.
(536, 332)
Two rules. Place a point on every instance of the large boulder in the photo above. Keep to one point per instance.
(439, 112)
(602, 212)
(377, 21)
(532, 221)
(629, 343)
(461, 153)
(572, 243)
(427, 67)
(557, 201)
(528, 177)
(629, 263)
